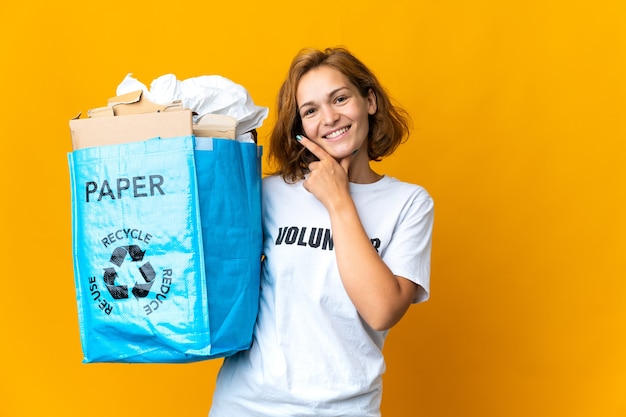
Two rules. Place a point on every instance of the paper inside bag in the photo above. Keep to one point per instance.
(135, 103)
(215, 126)
(209, 94)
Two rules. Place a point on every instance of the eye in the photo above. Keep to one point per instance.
(307, 112)
(340, 99)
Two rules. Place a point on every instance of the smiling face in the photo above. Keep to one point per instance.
(334, 114)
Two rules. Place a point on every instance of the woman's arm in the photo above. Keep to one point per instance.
(380, 297)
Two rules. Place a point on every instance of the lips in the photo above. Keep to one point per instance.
(337, 133)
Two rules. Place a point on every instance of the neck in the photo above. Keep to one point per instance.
(362, 174)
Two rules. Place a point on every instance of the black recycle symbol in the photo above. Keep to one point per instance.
(147, 272)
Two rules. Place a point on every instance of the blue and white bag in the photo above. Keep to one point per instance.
(167, 246)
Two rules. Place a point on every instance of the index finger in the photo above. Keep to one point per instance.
(313, 147)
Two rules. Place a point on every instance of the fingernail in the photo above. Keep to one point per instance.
(298, 138)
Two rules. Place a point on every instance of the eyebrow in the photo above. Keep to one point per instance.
(332, 93)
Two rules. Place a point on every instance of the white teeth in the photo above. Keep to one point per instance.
(337, 133)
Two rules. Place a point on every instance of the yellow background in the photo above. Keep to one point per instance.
(519, 135)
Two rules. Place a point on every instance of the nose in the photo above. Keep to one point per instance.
(329, 115)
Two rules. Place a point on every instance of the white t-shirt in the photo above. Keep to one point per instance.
(312, 354)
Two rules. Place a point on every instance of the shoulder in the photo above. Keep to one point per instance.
(273, 182)
(274, 186)
(414, 198)
(393, 187)
(276, 181)
(275, 178)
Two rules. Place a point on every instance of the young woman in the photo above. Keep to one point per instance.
(347, 250)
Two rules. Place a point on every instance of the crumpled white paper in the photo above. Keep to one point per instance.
(202, 95)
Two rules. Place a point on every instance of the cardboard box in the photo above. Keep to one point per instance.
(99, 131)
(130, 118)
(215, 126)
(132, 103)
(135, 103)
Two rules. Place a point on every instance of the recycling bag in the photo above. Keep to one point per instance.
(166, 238)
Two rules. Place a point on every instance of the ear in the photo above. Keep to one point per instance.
(372, 105)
